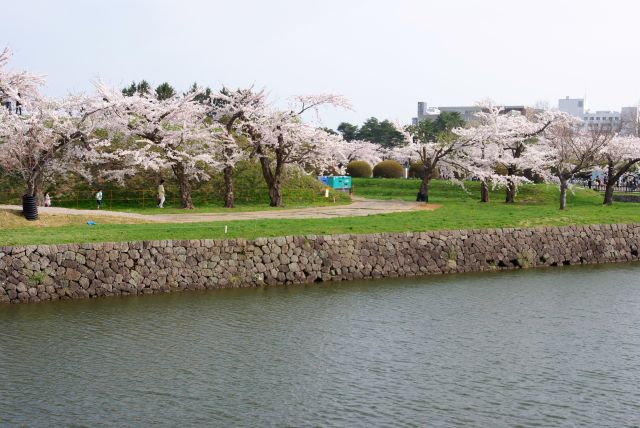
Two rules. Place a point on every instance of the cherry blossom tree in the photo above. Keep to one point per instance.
(620, 155)
(163, 133)
(503, 139)
(483, 153)
(360, 150)
(444, 152)
(568, 149)
(50, 138)
(324, 152)
(280, 137)
(232, 113)
(228, 153)
(18, 85)
(481, 160)
(519, 133)
(284, 139)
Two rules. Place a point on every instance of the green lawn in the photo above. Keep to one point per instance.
(536, 206)
(445, 192)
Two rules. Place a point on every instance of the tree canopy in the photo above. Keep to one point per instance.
(431, 130)
(164, 91)
(382, 133)
(348, 131)
(141, 88)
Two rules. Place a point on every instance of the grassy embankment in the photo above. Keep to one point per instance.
(138, 195)
(536, 205)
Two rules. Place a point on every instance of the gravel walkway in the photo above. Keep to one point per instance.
(359, 207)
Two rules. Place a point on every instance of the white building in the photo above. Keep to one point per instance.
(626, 121)
(602, 119)
(573, 106)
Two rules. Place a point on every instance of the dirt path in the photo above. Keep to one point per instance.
(359, 207)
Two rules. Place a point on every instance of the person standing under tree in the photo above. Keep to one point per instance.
(161, 194)
(99, 198)
(47, 200)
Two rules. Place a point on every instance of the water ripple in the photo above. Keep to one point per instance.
(531, 348)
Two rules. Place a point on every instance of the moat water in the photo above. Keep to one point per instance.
(550, 347)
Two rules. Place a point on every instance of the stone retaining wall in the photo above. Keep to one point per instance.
(50, 272)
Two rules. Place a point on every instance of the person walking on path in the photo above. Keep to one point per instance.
(161, 194)
(47, 200)
(99, 198)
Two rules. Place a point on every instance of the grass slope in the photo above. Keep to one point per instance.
(536, 206)
(139, 194)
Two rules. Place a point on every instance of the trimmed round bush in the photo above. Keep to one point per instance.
(388, 169)
(359, 169)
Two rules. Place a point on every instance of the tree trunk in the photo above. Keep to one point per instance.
(31, 188)
(484, 191)
(608, 194)
(38, 192)
(511, 186)
(273, 180)
(423, 195)
(511, 192)
(228, 184)
(611, 182)
(32, 183)
(563, 193)
(185, 186)
(275, 195)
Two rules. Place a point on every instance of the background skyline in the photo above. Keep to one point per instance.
(383, 56)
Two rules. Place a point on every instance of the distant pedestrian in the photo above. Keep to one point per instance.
(161, 194)
(590, 183)
(99, 198)
(47, 200)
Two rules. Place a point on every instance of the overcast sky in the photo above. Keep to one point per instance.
(382, 55)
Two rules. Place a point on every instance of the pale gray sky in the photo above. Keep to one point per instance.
(383, 55)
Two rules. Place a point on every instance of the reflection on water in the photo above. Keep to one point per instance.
(531, 348)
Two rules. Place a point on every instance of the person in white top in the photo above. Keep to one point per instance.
(99, 198)
(47, 200)
(161, 194)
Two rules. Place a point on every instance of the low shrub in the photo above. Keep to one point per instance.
(388, 169)
(359, 169)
